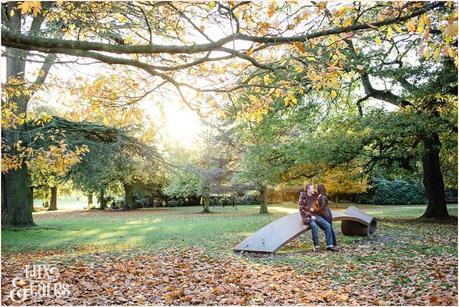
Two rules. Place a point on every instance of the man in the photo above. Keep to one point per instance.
(315, 220)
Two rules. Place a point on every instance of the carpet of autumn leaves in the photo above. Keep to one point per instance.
(187, 277)
(406, 263)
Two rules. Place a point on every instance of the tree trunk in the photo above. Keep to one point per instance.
(45, 198)
(89, 199)
(102, 200)
(3, 193)
(336, 198)
(17, 201)
(128, 197)
(53, 202)
(205, 203)
(433, 178)
(264, 199)
(31, 199)
(16, 207)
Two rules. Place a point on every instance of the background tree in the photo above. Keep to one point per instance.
(428, 84)
(16, 194)
(124, 161)
(344, 180)
(202, 171)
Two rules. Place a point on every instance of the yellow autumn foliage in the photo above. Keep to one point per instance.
(344, 180)
(30, 7)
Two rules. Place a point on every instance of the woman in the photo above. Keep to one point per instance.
(324, 210)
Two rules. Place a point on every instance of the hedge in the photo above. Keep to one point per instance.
(397, 192)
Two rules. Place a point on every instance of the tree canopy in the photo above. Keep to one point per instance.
(293, 85)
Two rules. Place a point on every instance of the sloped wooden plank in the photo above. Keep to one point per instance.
(274, 235)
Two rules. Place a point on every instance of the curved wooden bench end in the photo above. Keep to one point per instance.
(358, 224)
(353, 228)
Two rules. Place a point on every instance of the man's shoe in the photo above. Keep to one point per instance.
(332, 249)
(315, 249)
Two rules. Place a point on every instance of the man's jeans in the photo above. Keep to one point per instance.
(320, 221)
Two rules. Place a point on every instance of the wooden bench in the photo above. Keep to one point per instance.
(278, 233)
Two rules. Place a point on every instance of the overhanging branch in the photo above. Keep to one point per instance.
(17, 40)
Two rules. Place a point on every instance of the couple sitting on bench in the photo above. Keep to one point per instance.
(315, 212)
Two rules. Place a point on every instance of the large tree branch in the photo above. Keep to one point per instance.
(151, 69)
(46, 67)
(30, 59)
(17, 40)
(383, 95)
(370, 91)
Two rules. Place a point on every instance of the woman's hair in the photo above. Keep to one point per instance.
(321, 189)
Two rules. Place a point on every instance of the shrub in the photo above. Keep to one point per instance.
(451, 195)
(116, 203)
(214, 201)
(365, 198)
(250, 200)
(225, 201)
(176, 203)
(122, 205)
(157, 202)
(141, 202)
(397, 192)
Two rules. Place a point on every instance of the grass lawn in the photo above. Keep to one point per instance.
(407, 261)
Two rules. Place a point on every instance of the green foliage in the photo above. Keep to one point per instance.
(200, 171)
(184, 184)
(116, 161)
(397, 192)
(273, 144)
(96, 171)
(451, 194)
